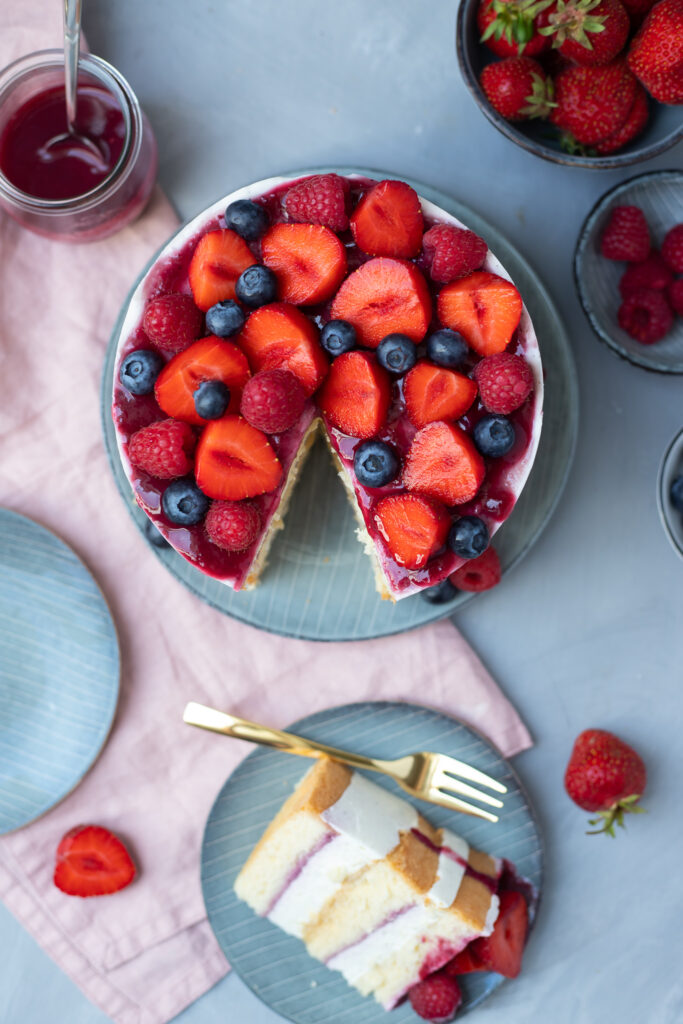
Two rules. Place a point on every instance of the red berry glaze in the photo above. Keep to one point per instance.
(672, 249)
(356, 395)
(273, 400)
(388, 221)
(478, 574)
(605, 774)
(646, 315)
(384, 296)
(218, 260)
(163, 449)
(308, 261)
(172, 322)
(413, 527)
(235, 460)
(443, 463)
(436, 998)
(484, 308)
(233, 525)
(91, 861)
(505, 382)
(451, 252)
(626, 236)
(320, 199)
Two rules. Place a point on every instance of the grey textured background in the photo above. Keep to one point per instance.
(585, 631)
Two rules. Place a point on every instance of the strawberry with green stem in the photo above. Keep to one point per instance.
(605, 774)
(589, 32)
(518, 88)
(508, 27)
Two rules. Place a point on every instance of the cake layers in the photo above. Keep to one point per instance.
(367, 883)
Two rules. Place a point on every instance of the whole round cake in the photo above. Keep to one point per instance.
(340, 306)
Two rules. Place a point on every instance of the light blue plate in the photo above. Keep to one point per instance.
(319, 583)
(59, 670)
(273, 964)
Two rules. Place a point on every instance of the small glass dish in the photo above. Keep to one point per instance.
(670, 467)
(122, 195)
(659, 194)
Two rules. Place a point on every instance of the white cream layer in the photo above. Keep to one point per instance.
(371, 816)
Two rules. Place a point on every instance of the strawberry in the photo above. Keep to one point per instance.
(650, 273)
(589, 32)
(384, 296)
(452, 252)
(388, 221)
(163, 449)
(436, 998)
(466, 962)
(637, 9)
(308, 260)
(281, 337)
(233, 525)
(91, 861)
(518, 88)
(436, 393)
(273, 400)
(646, 315)
(672, 248)
(208, 359)
(478, 574)
(413, 527)
(443, 463)
(356, 395)
(217, 262)
(319, 199)
(484, 308)
(631, 128)
(675, 295)
(235, 460)
(502, 950)
(505, 382)
(172, 322)
(594, 102)
(605, 774)
(509, 27)
(626, 235)
(656, 52)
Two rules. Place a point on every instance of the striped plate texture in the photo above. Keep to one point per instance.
(59, 670)
(319, 583)
(273, 964)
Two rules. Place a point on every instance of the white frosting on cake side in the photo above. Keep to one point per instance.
(371, 816)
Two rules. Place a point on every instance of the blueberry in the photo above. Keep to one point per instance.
(494, 435)
(224, 319)
(338, 336)
(446, 348)
(183, 503)
(676, 493)
(397, 353)
(211, 399)
(375, 464)
(468, 537)
(246, 218)
(440, 592)
(139, 370)
(256, 286)
(153, 535)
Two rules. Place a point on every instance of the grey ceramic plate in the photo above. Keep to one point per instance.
(59, 678)
(659, 194)
(319, 584)
(273, 964)
(671, 467)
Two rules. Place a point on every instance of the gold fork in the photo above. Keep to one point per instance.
(431, 777)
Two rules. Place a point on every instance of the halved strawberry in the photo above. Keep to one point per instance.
(91, 861)
(502, 950)
(388, 221)
(384, 296)
(235, 460)
(443, 463)
(207, 359)
(356, 395)
(484, 308)
(281, 337)
(435, 393)
(466, 962)
(413, 527)
(217, 262)
(308, 260)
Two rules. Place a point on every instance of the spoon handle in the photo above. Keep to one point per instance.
(72, 43)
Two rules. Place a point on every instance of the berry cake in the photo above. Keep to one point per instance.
(343, 306)
(379, 894)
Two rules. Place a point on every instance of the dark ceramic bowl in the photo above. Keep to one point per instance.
(671, 467)
(664, 129)
(659, 194)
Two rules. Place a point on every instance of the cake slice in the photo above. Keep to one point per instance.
(372, 889)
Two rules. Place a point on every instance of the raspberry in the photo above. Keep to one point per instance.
(320, 199)
(645, 315)
(479, 573)
(627, 236)
(505, 382)
(272, 401)
(164, 449)
(452, 252)
(675, 295)
(672, 249)
(436, 998)
(650, 273)
(172, 322)
(233, 525)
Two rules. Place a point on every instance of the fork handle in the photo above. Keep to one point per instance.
(241, 728)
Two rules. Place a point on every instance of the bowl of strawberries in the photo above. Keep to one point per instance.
(589, 83)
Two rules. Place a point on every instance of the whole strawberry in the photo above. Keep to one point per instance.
(656, 52)
(589, 32)
(518, 88)
(594, 102)
(631, 128)
(604, 774)
(509, 27)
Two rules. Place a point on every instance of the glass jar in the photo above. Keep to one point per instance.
(120, 196)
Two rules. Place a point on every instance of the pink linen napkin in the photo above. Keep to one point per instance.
(147, 952)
